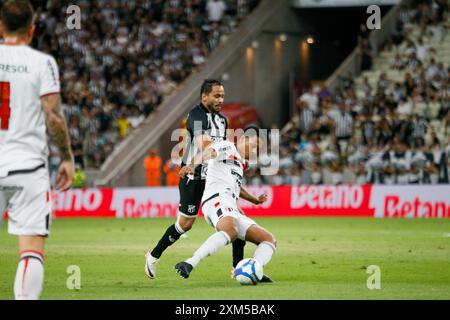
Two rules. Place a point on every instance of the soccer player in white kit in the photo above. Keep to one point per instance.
(219, 203)
(29, 104)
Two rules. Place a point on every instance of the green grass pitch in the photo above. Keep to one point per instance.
(322, 258)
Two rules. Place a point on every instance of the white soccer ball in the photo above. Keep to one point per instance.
(248, 271)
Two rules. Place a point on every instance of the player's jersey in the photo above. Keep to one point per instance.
(26, 75)
(225, 173)
(202, 122)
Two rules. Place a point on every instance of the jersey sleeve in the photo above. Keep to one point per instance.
(197, 124)
(49, 77)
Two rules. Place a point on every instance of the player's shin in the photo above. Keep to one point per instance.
(29, 276)
(214, 243)
(171, 235)
(264, 252)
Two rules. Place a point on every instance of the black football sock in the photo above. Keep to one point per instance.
(169, 238)
(238, 251)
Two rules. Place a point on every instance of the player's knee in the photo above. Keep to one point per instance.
(186, 227)
(232, 233)
(270, 238)
(274, 241)
(231, 230)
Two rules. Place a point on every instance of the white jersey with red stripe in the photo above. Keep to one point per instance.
(225, 172)
(26, 75)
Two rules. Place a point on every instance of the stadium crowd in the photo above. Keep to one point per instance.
(129, 54)
(393, 132)
(126, 57)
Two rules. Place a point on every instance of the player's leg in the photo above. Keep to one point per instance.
(191, 192)
(173, 233)
(265, 241)
(238, 248)
(30, 271)
(3, 205)
(226, 232)
(220, 214)
(30, 217)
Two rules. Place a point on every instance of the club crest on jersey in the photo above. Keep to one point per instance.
(191, 208)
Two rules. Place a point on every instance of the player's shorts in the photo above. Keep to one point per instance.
(25, 195)
(191, 192)
(219, 205)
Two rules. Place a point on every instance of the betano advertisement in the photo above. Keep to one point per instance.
(284, 201)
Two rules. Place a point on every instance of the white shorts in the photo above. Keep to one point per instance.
(26, 197)
(224, 205)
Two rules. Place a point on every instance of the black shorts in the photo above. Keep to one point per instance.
(191, 193)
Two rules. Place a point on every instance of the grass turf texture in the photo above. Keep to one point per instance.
(316, 259)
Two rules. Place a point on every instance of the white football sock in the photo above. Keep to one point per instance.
(264, 252)
(29, 276)
(213, 244)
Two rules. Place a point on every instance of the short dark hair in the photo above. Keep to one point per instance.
(208, 84)
(16, 15)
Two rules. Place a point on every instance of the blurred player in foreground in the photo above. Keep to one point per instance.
(29, 97)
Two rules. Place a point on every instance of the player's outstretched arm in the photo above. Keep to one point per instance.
(244, 194)
(57, 127)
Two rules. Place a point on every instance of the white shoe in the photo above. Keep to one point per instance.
(150, 265)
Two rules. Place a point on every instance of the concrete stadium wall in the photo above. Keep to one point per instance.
(260, 76)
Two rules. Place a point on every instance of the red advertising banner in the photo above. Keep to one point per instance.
(84, 203)
(283, 201)
(311, 201)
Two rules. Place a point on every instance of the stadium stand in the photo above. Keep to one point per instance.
(389, 125)
(127, 57)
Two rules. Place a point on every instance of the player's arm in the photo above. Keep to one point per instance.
(57, 128)
(244, 194)
(199, 158)
(197, 126)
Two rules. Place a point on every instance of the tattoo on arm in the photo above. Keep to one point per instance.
(57, 126)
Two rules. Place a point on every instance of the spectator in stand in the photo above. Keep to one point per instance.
(79, 177)
(123, 123)
(363, 33)
(135, 118)
(365, 51)
(311, 99)
(216, 10)
(152, 166)
(343, 128)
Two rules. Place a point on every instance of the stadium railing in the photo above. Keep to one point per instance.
(176, 105)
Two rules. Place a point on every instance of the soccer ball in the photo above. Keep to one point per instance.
(248, 271)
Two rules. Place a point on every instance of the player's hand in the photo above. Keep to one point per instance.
(262, 198)
(185, 171)
(64, 177)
